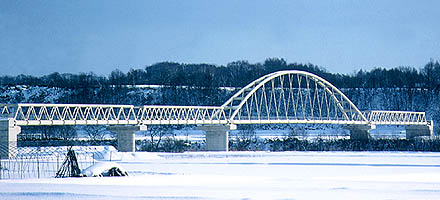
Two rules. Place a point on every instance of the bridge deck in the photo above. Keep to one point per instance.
(83, 114)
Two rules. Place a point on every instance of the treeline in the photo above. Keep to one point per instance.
(289, 144)
(235, 74)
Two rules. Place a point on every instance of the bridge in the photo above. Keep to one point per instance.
(284, 97)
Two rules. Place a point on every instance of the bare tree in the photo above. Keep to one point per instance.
(298, 132)
(95, 132)
(157, 133)
(245, 137)
(67, 132)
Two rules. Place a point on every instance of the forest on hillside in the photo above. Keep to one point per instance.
(234, 74)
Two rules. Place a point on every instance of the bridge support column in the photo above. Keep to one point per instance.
(216, 136)
(360, 131)
(8, 138)
(126, 137)
(413, 131)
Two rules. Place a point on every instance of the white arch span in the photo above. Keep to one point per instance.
(292, 96)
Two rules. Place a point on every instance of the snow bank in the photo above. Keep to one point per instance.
(102, 168)
(111, 154)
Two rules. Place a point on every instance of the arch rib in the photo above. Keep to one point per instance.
(254, 86)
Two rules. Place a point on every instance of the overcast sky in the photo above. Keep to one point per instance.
(40, 37)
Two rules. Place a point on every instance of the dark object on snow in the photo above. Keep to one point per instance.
(101, 169)
(114, 172)
(70, 167)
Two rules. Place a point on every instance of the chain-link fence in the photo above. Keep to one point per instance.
(44, 162)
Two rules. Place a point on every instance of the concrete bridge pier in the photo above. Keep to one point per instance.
(360, 131)
(8, 138)
(413, 131)
(217, 136)
(126, 136)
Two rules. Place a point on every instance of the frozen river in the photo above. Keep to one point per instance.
(249, 175)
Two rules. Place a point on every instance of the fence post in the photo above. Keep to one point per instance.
(58, 160)
(38, 166)
(21, 168)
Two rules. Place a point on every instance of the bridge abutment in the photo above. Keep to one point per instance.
(217, 136)
(125, 137)
(8, 138)
(360, 131)
(413, 131)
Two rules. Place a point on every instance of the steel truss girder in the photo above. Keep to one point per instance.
(381, 117)
(82, 114)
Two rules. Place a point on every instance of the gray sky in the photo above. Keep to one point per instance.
(40, 37)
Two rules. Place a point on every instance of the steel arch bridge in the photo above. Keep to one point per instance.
(278, 98)
(281, 97)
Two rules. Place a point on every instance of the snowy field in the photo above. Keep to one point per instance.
(248, 175)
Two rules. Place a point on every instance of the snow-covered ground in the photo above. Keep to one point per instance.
(249, 175)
